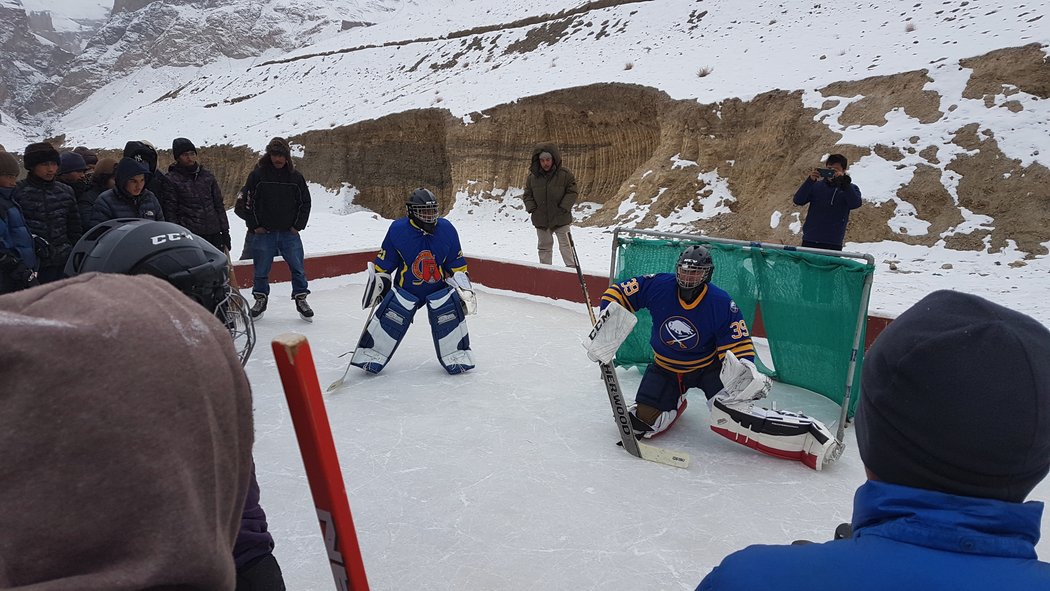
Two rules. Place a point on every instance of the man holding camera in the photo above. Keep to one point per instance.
(831, 195)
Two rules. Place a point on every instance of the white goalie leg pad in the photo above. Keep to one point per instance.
(741, 380)
(782, 434)
(610, 330)
(449, 329)
(385, 331)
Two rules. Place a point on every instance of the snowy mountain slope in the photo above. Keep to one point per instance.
(786, 45)
(189, 33)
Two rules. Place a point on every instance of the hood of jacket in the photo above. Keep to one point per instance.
(127, 464)
(534, 167)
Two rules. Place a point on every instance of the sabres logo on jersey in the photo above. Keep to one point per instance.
(425, 268)
(679, 333)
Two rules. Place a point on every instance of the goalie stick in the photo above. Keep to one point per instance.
(633, 446)
(295, 363)
(340, 382)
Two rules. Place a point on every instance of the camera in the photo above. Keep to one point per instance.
(826, 173)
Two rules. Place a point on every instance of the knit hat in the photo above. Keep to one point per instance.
(106, 166)
(180, 146)
(71, 162)
(39, 153)
(956, 398)
(128, 168)
(90, 157)
(279, 145)
(9, 165)
(546, 156)
(143, 151)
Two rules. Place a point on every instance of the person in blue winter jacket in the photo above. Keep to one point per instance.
(954, 430)
(831, 195)
(17, 250)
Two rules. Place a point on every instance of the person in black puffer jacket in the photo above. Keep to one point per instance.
(130, 198)
(276, 206)
(191, 197)
(49, 208)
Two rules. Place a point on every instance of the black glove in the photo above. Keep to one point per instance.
(224, 238)
(843, 182)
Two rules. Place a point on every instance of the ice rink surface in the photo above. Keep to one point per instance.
(507, 477)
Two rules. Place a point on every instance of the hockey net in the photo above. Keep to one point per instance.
(811, 307)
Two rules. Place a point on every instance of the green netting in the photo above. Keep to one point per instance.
(808, 304)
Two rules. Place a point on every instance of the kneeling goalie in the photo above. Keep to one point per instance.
(700, 340)
(423, 254)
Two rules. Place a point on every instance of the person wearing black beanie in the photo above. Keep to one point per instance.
(49, 208)
(191, 197)
(953, 427)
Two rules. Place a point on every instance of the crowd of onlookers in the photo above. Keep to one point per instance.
(65, 194)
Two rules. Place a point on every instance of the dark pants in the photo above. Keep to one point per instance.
(824, 245)
(661, 388)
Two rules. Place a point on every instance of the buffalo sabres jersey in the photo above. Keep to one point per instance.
(421, 260)
(686, 336)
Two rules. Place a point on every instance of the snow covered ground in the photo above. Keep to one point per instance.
(507, 477)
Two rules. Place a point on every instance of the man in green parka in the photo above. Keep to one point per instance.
(550, 193)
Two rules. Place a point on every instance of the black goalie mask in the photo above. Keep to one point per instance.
(172, 253)
(423, 209)
(694, 268)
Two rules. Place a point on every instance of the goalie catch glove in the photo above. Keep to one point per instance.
(612, 327)
(375, 289)
(741, 380)
(460, 282)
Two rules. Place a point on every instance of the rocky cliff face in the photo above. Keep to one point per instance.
(31, 60)
(146, 33)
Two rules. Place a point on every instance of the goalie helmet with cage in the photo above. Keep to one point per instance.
(423, 208)
(172, 253)
(694, 268)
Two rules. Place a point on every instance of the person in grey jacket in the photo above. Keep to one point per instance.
(130, 198)
(550, 193)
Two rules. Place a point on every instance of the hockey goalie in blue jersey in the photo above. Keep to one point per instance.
(700, 340)
(420, 265)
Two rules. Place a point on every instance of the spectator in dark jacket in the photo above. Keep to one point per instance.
(550, 193)
(17, 256)
(277, 207)
(831, 195)
(954, 431)
(192, 198)
(129, 198)
(102, 180)
(72, 171)
(49, 208)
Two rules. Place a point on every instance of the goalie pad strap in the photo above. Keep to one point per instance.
(609, 332)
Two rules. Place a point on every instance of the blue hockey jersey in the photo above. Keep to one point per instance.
(686, 336)
(420, 260)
